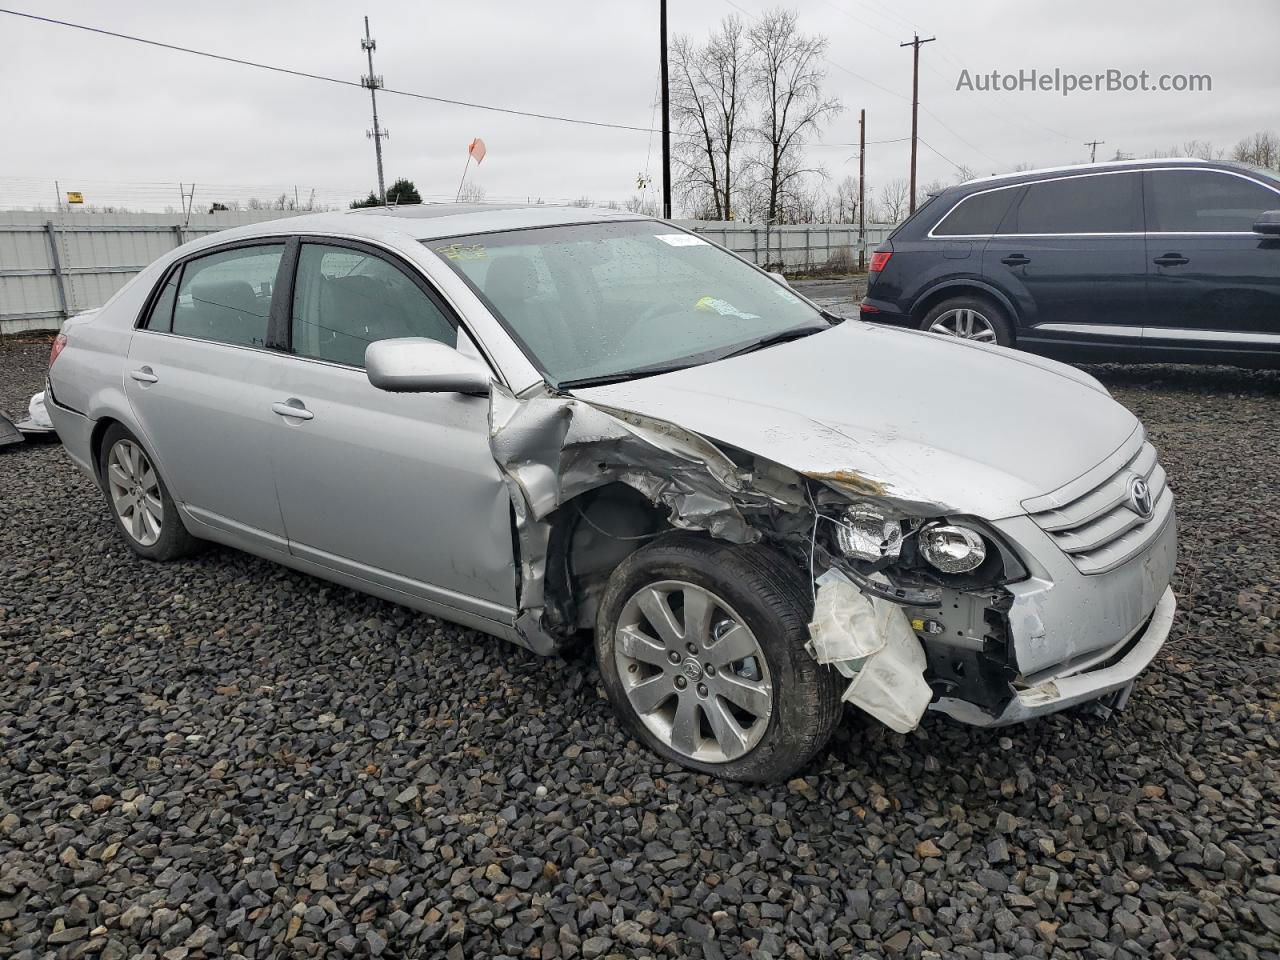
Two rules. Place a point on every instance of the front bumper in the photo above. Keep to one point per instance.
(1050, 696)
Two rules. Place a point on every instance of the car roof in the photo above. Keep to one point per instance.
(433, 221)
(1109, 166)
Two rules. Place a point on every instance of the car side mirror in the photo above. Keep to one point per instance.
(1268, 224)
(421, 365)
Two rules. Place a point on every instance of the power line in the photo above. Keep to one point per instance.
(327, 79)
(388, 90)
(941, 154)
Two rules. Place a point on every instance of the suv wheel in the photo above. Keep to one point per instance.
(139, 500)
(969, 318)
(700, 646)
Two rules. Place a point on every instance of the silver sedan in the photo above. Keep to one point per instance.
(558, 425)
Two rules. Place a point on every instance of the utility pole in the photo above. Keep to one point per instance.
(373, 82)
(862, 191)
(914, 44)
(666, 111)
(188, 201)
(1093, 148)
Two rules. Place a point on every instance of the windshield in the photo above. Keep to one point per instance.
(610, 300)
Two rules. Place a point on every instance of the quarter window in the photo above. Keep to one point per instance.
(1103, 203)
(345, 299)
(977, 215)
(161, 317)
(1203, 201)
(227, 296)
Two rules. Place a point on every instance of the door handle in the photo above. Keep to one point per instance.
(143, 375)
(1015, 260)
(1171, 260)
(292, 408)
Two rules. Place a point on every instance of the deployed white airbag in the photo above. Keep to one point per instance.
(870, 641)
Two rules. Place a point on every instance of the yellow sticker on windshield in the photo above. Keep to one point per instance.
(463, 251)
(722, 307)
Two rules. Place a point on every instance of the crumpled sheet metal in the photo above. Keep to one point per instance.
(870, 641)
(552, 448)
(555, 448)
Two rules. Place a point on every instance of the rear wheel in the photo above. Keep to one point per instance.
(139, 500)
(701, 648)
(969, 318)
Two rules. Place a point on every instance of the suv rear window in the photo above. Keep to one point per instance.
(977, 215)
(1100, 203)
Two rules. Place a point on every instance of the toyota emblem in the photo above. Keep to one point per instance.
(1140, 500)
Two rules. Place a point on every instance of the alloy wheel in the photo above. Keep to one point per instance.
(965, 323)
(135, 492)
(693, 671)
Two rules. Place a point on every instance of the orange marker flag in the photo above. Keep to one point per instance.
(476, 150)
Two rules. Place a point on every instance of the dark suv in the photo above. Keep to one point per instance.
(1153, 260)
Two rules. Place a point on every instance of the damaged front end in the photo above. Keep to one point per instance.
(553, 449)
(902, 630)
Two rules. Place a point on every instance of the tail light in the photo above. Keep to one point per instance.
(59, 342)
(879, 260)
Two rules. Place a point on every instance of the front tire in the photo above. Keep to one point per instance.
(969, 318)
(700, 646)
(138, 499)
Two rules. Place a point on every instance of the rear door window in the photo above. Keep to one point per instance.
(226, 296)
(977, 215)
(1102, 203)
(1205, 201)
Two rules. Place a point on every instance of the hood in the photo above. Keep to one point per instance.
(918, 417)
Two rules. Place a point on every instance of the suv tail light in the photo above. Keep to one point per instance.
(879, 260)
(59, 342)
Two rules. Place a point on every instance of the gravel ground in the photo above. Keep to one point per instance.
(223, 758)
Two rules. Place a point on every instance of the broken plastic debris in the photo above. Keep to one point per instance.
(871, 641)
(37, 417)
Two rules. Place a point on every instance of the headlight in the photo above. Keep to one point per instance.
(865, 533)
(952, 548)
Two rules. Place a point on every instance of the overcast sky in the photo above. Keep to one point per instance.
(126, 122)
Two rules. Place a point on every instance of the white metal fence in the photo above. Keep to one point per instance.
(54, 265)
(797, 247)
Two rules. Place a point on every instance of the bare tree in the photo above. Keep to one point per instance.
(1201, 150)
(471, 192)
(964, 173)
(1261, 149)
(638, 203)
(708, 100)
(893, 202)
(929, 189)
(787, 78)
(844, 202)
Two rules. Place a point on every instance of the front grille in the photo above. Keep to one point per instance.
(1098, 529)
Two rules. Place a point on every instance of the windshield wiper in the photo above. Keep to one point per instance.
(795, 333)
(782, 336)
(637, 373)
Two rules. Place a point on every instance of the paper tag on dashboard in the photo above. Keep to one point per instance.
(679, 239)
